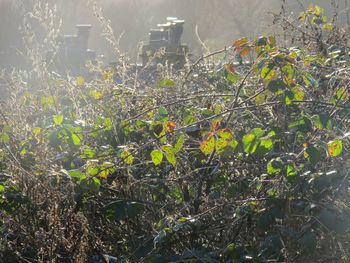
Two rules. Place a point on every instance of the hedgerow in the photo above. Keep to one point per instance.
(224, 162)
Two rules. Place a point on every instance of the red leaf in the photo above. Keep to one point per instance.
(170, 126)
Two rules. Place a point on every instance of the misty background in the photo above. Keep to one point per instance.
(215, 22)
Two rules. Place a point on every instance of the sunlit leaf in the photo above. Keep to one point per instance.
(342, 94)
(166, 83)
(108, 124)
(97, 95)
(275, 166)
(225, 133)
(157, 157)
(240, 42)
(334, 147)
(298, 92)
(233, 77)
(127, 157)
(249, 143)
(179, 143)
(76, 139)
(58, 119)
(268, 73)
(107, 75)
(207, 146)
(260, 99)
(251, 140)
(80, 81)
(328, 26)
(220, 145)
(4, 137)
(323, 121)
(170, 126)
(169, 154)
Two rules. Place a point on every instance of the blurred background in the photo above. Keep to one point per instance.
(215, 23)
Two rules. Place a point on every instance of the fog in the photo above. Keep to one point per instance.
(210, 24)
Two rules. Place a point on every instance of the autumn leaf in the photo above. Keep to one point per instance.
(243, 51)
(230, 68)
(335, 148)
(170, 126)
(298, 93)
(240, 42)
(207, 146)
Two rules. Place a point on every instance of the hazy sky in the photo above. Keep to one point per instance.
(219, 22)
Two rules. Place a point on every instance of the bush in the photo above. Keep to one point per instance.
(228, 163)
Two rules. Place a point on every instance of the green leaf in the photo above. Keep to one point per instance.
(76, 174)
(303, 124)
(127, 157)
(233, 77)
(288, 97)
(179, 143)
(76, 139)
(323, 121)
(166, 83)
(58, 119)
(264, 147)
(276, 85)
(252, 140)
(248, 143)
(169, 154)
(291, 171)
(275, 166)
(268, 73)
(220, 145)
(334, 147)
(157, 157)
(108, 124)
(342, 94)
(225, 134)
(4, 137)
(121, 210)
(298, 92)
(312, 154)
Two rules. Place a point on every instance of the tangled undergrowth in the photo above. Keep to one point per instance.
(215, 163)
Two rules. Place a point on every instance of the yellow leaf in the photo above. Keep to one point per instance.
(107, 75)
(80, 81)
(207, 146)
(260, 99)
(298, 92)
